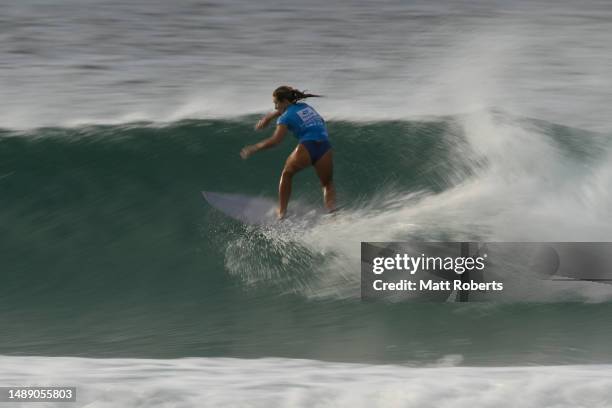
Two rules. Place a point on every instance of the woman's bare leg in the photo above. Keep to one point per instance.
(325, 170)
(298, 160)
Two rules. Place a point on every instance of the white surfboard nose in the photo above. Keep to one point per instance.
(254, 210)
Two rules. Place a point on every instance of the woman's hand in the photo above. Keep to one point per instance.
(247, 151)
(263, 122)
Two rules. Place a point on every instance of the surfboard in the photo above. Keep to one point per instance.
(255, 210)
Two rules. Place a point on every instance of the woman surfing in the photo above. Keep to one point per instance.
(313, 143)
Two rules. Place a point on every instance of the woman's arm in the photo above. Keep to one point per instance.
(265, 121)
(276, 138)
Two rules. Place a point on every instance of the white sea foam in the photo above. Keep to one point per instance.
(216, 382)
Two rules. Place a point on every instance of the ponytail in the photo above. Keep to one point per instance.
(292, 94)
(298, 95)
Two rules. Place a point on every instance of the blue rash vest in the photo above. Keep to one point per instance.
(305, 123)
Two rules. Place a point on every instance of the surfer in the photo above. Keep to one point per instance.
(313, 143)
